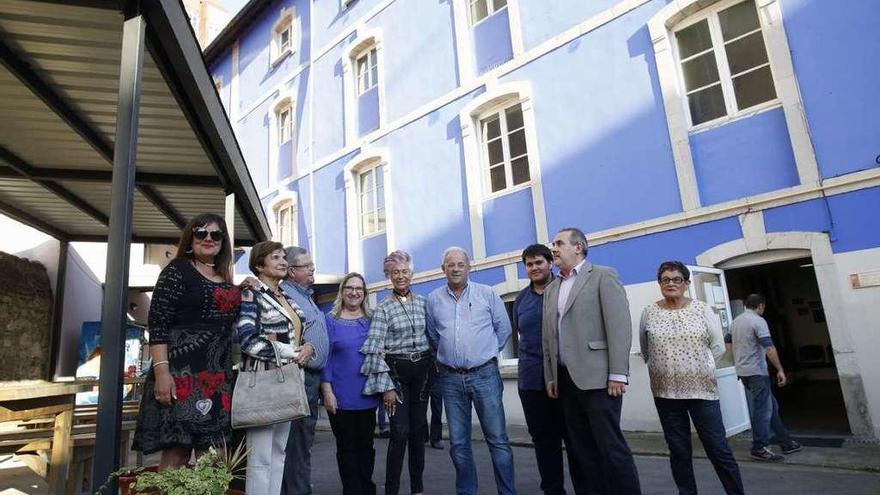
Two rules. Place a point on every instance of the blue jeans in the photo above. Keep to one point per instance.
(482, 389)
(675, 417)
(764, 412)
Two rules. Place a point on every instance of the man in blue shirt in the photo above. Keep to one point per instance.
(544, 416)
(298, 288)
(467, 325)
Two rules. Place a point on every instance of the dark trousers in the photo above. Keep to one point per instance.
(764, 412)
(592, 419)
(546, 423)
(675, 417)
(408, 425)
(355, 455)
(436, 426)
(298, 455)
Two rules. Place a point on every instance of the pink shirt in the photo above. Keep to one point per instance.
(565, 284)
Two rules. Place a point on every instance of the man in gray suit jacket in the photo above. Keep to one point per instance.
(587, 335)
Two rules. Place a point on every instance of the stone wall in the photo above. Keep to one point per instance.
(26, 306)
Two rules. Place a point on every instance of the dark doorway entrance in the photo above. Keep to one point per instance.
(812, 402)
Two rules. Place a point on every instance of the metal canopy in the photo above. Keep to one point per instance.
(59, 84)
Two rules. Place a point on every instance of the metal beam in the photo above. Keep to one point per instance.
(115, 307)
(32, 221)
(106, 176)
(25, 169)
(164, 206)
(58, 309)
(42, 89)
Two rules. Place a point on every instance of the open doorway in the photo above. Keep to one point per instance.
(812, 402)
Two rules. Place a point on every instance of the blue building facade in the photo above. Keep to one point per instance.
(725, 134)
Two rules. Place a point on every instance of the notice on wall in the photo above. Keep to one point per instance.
(865, 279)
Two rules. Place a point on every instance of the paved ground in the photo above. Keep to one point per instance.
(653, 472)
(778, 479)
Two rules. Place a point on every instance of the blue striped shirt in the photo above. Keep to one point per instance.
(315, 327)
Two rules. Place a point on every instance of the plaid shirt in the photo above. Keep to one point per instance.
(397, 328)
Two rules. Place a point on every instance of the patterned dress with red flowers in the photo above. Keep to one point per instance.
(193, 316)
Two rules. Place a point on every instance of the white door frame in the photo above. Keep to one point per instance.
(753, 251)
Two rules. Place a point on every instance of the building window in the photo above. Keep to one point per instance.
(285, 223)
(285, 124)
(724, 65)
(510, 351)
(504, 148)
(367, 67)
(371, 198)
(481, 9)
(282, 37)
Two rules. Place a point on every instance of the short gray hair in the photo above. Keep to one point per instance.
(396, 258)
(455, 249)
(291, 252)
(576, 236)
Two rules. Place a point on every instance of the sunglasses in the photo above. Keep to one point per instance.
(202, 234)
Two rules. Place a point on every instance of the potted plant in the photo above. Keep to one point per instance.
(210, 475)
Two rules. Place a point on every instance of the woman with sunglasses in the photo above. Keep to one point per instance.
(187, 393)
(680, 340)
(352, 414)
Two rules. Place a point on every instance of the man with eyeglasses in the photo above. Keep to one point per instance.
(587, 336)
(298, 288)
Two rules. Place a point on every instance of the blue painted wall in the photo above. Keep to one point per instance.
(330, 218)
(542, 20)
(492, 46)
(509, 222)
(374, 249)
(223, 72)
(837, 76)
(368, 111)
(328, 94)
(744, 158)
(601, 126)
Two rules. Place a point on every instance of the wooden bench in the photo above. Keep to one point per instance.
(31, 440)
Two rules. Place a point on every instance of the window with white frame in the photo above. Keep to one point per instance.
(371, 199)
(284, 121)
(481, 9)
(282, 37)
(505, 152)
(510, 351)
(286, 223)
(367, 68)
(724, 65)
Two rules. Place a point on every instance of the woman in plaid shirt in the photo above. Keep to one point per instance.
(397, 361)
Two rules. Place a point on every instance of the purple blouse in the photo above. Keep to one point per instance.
(343, 368)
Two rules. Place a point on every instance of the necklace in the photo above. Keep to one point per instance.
(401, 297)
(206, 264)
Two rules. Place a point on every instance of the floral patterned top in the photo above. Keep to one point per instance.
(680, 347)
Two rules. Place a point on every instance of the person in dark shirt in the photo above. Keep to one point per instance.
(543, 415)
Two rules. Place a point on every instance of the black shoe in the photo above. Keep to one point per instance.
(437, 445)
(791, 447)
(766, 454)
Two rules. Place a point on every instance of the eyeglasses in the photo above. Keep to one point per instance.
(202, 234)
(673, 280)
(310, 266)
(350, 288)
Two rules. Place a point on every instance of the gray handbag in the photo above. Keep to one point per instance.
(267, 396)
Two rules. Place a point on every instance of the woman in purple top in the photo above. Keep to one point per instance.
(352, 414)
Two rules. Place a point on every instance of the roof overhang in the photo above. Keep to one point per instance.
(59, 82)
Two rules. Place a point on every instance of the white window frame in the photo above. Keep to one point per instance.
(491, 9)
(499, 110)
(498, 95)
(285, 200)
(375, 168)
(371, 61)
(368, 40)
(710, 14)
(284, 128)
(284, 101)
(507, 291)
(284, 24)
(661, 28)
(368, 158)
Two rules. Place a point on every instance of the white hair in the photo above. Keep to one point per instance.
(455, 249)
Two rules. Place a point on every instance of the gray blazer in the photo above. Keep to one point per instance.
(597, 332)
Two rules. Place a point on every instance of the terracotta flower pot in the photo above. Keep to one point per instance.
(126, 481)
